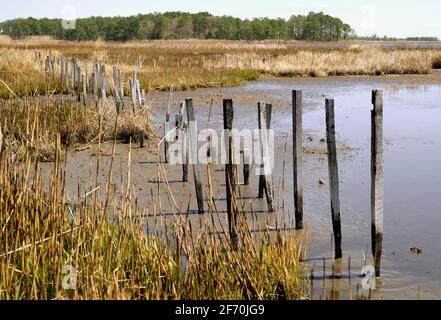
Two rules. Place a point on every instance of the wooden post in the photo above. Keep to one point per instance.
(62, 69)
(246, 168)
(84, 86)
(230, 170)
(133, 92)
(86, 74)
(182, 130)
(121, 84)
(103, 80)
(141, 138)
(264, 118)
(115, 77)
(194, 154)
(185, 152)
(73, 73)
(333, 176)
(143, 101)
(297, 106)
(377, 178)
(167, 121)
(118, 101)
(138, 93)
(66, 74)
(78, 76)
(95, 79)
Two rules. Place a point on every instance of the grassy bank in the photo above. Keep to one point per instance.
(76, 124)
(189, 64)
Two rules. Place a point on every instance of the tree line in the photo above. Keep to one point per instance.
(181, 25)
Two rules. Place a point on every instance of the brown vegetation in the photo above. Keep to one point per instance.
(188, 64)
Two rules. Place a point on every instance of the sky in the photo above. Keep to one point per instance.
(394, 18)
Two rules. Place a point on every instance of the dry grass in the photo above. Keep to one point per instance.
(348, 61)
(74, 122)
(43, 230)
(189, 64)
(436, 61)
(5, 40)
(22, 75)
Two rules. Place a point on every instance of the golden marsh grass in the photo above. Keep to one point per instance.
(189, 64)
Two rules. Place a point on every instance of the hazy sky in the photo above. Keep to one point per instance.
(399, 18)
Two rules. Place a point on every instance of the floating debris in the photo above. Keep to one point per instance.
(416, 250)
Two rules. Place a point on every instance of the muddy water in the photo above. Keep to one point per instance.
(412, 216)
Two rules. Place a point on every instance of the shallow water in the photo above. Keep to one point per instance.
(412, 201)
(412, 196)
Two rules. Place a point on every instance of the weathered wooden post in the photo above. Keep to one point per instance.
(167, 122)
(85, 85)
(115, 77)
(333, 176)
(246, 168)
(121, 85)
(297, 109)
(62, 69)
(103, 80)
(83, 77)
(183, 133)
(138, 93)
(74, 70)
(141, 138)
(78, 76)
(143, 99)
(86, 73)
(95, 79)
(264, 119)
(66, 74)
(118, 101)
(186, 153)
(377, 184)
(194, 153)
(230, 171)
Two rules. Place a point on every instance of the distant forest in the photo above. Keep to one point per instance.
(179, 25)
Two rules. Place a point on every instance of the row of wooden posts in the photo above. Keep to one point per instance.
(265, 184)
(49, 64)
(76, 80)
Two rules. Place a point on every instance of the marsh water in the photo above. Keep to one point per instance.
(412, 175)
(412, 172)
